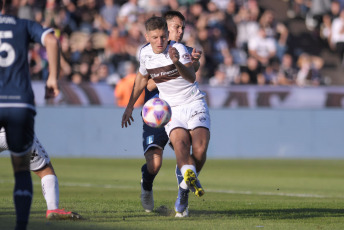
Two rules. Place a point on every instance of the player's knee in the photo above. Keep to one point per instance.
(21, 161)
(155, 169)
(181, 144)
(19, 151)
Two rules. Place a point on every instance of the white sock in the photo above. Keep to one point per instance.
(50, 189)
(183, 185)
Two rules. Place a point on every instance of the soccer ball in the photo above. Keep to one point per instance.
(156, 113)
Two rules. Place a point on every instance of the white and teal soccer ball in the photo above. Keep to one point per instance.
(156, 112)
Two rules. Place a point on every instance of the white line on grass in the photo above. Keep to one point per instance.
(114, 186)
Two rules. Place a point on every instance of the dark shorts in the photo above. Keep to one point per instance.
(19, 127)
(153, 137)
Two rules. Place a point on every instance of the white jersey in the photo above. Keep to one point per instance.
(173, 88)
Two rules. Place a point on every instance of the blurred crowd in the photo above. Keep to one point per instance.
(242, 43)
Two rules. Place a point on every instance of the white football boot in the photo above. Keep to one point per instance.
(147, 200)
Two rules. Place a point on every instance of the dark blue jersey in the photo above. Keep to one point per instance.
(15, 83)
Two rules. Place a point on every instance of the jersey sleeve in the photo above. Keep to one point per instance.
(184, 55)
(37, 32)
(142, 68)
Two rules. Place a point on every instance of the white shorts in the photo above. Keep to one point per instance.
(39, 157)
(189, 116)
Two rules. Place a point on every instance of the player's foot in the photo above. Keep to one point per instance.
(147, 200)
(181, 204)
(61, 214)
(193, 183)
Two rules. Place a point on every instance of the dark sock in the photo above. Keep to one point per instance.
(22, 196)
(147, 178)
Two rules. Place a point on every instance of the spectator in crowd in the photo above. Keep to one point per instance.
(317, 9)
(109, 13)
(287, 72)
(337, 35)
(222, 29)
(251, 74)
(275, 30)
(27, 9)
(309, 74)
(230, 28)
(270, 73)
(220, 78)
(125, 85)
(115, 47)
(232, 70)
(262, 47)
(135, 39)
(129, 12)
(326, 24)
(248, 27)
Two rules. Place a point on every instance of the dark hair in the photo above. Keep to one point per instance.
(173, 13)
(1, 4)
(154, 23)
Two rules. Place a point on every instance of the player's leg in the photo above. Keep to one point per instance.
(23, 190)
(180, 140)
(149, 171)
(19, 134)
(199, 126)
(40, 164)
(200, 139)
(152, 167)
(154, 141)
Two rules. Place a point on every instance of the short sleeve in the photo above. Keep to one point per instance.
(37, 32)
(142, 68)
(184, 55)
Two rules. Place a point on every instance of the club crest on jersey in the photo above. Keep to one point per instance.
(150, 139)
(202, 119)
(186, 56)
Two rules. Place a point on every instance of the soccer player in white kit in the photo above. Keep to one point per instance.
(169, 65)
(40, 164)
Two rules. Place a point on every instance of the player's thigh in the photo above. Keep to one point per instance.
(20, 129)
(180, 139)
(200, 137)
(154, 159)
(39, 156)
(153, 137)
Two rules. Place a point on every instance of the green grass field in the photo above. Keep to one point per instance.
(240, 194)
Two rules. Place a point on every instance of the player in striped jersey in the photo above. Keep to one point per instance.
(173, 89)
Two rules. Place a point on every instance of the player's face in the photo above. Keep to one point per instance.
(158, 39)
(176, 28)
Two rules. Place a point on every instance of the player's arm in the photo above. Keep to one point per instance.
(53, 53)
(139, 85)
(187, 71)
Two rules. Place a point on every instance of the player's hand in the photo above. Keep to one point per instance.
(174, 54)
(127, 116)
(51, 88)
(151, 85)
(196, 55)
